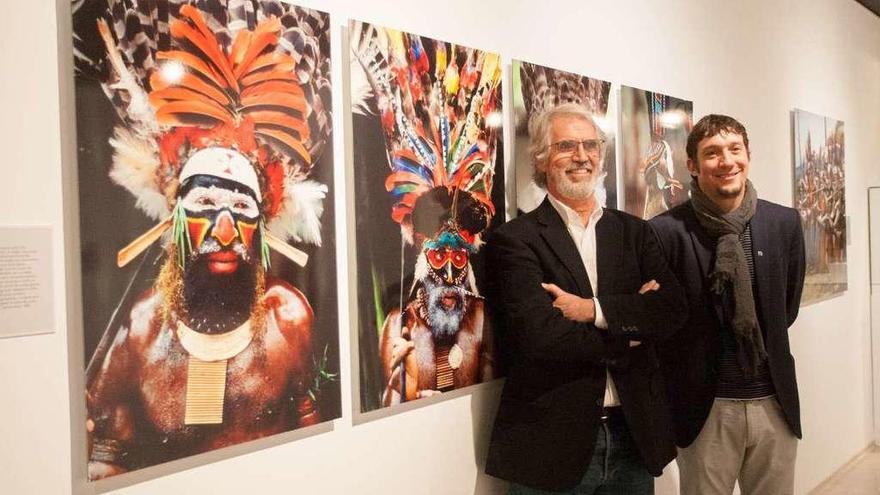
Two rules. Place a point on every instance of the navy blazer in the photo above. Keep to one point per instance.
(691, 357)
(550, 409)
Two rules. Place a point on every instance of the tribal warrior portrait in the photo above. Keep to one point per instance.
(223, 112)
(654, 128)
(439, 106)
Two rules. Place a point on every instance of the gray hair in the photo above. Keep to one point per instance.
(539, 135)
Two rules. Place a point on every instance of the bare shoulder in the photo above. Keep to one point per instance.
(391, 326)
(143, 324)
(289, 306)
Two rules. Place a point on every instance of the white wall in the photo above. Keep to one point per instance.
(753, 59)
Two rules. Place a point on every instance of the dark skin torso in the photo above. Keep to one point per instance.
(139, 395)
(421, 367)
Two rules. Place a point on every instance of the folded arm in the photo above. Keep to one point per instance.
(647, 314)
(532, 324)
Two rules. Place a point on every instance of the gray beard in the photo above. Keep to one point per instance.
(574, 190)
(444, 322)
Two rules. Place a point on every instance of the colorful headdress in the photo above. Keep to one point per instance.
(248, 78)
(440, 108)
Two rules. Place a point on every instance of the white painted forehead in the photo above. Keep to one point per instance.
(224, 163)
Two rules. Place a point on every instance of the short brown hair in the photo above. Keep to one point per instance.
(711, 125)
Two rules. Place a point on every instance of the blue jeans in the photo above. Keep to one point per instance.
(615, 469)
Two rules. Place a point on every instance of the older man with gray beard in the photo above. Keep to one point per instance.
(581, 295)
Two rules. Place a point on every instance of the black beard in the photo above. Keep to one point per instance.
(444, 322)
(218, 303)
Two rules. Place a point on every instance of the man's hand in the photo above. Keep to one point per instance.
(649, 286)
(402, 351)
(573, 307)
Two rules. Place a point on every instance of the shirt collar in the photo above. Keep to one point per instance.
(571, 217)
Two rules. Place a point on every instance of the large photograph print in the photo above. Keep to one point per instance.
(653, 132)
(537, 89)
(205, 183)
(429, 184)
(819, 196)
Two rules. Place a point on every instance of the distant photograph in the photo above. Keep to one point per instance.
(537, 89)
(653, 133)
(819, 196)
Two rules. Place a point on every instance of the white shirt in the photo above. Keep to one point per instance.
(584, 237)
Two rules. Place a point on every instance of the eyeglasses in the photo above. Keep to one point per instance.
(570, 146)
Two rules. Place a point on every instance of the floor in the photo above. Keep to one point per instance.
(862, 477)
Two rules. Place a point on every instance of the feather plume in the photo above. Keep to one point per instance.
(544, 88)
(436, 102)
(186, 74)
(135, 167)
(299, 217)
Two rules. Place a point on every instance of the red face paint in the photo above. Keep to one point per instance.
(197, 227)
(246, 231)
(438, 258)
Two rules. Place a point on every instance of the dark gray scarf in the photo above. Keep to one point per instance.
(731, 271)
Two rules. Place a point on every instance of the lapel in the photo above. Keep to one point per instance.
(760, 243)
(609, 249)
(557, 237)
(704, 247)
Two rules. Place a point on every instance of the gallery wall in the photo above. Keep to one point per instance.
(753, 60)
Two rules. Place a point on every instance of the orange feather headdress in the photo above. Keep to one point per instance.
(249, 90)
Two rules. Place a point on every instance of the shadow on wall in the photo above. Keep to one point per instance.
(484, 406)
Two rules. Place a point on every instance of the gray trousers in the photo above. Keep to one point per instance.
(747, 440)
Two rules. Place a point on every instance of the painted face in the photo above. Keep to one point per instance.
(447, 275)
(722, 166)
(574, 163)
(448, 265)
(222, 217)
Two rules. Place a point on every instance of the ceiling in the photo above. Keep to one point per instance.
(872, 5)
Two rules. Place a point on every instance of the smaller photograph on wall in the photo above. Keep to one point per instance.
(537, 89)
(819, 196)
(428, 186)
(653, 133)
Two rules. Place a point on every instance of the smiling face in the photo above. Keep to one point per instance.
(574, 161)
(721, 168)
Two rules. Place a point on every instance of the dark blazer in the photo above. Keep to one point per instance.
(691, 357)
(551, 404)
